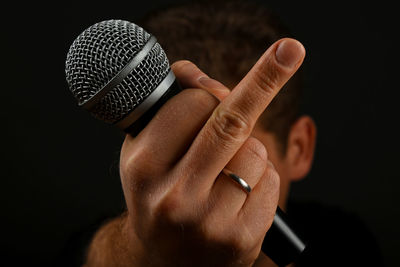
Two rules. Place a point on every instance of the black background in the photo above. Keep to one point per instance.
(60, 166)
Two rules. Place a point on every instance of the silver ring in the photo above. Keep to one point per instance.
(245, 186)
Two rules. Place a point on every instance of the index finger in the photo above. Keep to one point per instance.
(233, 120)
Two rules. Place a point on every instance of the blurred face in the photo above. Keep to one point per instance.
(277, 159)
(295, 163)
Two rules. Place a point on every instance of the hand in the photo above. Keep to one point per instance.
(182, 211)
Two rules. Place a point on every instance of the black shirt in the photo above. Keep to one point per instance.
(335, 237)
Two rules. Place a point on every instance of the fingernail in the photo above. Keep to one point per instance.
(289, 53)
(211, 83)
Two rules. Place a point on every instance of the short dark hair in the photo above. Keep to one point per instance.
(225, 39)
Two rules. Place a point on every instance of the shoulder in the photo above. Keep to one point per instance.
(335, 237)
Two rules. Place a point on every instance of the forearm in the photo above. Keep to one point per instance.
(111, 245)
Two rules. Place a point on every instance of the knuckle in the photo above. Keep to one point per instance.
(229, 125)
(267, 81)
(172, 213)
(224, 239)
(139, 169)
(167, 210)
(135, 173)
(136, 164)
(201, 100)
(168, 214)
(211, 228)
(239, 243)
(127, 166)
(257, 149)
(272, 179)
(237, 246)
(180, 64)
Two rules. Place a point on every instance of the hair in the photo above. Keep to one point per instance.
(225, 39)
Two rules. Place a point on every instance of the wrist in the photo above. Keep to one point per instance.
(114, 244)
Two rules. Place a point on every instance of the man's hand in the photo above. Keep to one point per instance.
(182, 211)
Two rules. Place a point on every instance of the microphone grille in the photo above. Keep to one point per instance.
(99, 53)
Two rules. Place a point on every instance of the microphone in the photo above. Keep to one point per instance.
(121, 75)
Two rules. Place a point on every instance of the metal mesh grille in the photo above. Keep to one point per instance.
(99, 53)
(135, 87)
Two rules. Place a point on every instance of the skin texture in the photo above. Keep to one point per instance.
(182, 211)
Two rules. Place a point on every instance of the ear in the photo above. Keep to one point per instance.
(300, 148)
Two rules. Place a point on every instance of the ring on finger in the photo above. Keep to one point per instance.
(243, 184)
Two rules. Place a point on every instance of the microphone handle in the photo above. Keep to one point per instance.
(281, 243)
